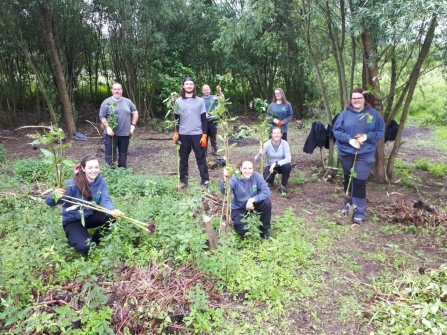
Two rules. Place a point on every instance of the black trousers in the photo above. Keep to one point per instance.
(264, 206)
(192, 143)
(284, 170)
(212, 135)
(77, 235)
(111, 144)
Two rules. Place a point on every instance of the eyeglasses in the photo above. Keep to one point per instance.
(361, 98)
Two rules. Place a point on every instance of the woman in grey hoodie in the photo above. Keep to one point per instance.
(250, 192)
(278, 156)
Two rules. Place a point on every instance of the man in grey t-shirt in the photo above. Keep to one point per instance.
(191, 131)
(119, 117)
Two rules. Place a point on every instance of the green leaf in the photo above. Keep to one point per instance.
(47, 153)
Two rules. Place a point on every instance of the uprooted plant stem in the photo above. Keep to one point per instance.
(148, 227)
(418, 214)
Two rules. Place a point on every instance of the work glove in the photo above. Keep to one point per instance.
(132, 128)
(203, 140)
(226, 172)
(275, 121)
(117, 213)
(250, 204)
(280, 123)
(361, 138)
(58, 193)
(110, 131)
(354, 143)
(272, 167)
(61, 191)
(175, 138)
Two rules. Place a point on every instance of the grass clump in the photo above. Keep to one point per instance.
(438, 169)
(298, 179)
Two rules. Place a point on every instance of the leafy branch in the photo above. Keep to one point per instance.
(54, 155)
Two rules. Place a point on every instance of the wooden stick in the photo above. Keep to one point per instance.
(8, 138)
(46, 127)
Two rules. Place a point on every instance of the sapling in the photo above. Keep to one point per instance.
(262, 129)
(54, 155)
(171, 104)
(112, 119)
(223, 119)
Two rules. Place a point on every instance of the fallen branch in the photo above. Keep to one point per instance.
(157, 139)
(409, 138)
(8, 138)
(93, 126)
(45, 127)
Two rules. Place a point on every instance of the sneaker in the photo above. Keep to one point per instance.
(203, 187)
(345, 210)
(357, 220)
(283, 190)
(214, 153)
(182, 186)
(270, 184)
(266, 235)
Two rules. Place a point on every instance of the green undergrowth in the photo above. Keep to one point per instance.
(414, 304)
(260, 283)
(261, 278)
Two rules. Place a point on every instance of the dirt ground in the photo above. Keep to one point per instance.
(318, 202)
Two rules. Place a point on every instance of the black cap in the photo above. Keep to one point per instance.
(188, 79)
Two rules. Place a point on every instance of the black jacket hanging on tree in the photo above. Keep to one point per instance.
(317, 137)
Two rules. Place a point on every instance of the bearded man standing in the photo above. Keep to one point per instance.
(191, 131)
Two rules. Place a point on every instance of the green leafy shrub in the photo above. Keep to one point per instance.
(298, 179)
(31, 170)
(123, 182)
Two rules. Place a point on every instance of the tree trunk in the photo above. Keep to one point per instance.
(369, 73)
(410, 87)
(319, 77)
(62, 87)
(59, 72)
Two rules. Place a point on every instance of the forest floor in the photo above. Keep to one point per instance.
(361, 255)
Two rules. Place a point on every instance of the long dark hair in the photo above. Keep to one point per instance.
(81, 179)
(183, 92)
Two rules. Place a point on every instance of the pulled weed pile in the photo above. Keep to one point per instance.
(415, 304)
(159, 297)
(419, 214)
